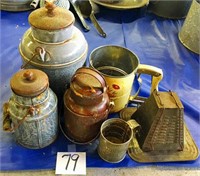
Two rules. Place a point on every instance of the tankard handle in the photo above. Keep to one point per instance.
(155, 72)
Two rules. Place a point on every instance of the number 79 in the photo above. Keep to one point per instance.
(73, 157)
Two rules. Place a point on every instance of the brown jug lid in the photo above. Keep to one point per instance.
(88, 82)
(29, 82)
(51, 17)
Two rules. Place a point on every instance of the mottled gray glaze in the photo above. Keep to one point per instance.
(53, 36)
(59, 78)
(27, 101)
(40, 128)
(58, 60)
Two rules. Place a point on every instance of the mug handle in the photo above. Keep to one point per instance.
(155, 72)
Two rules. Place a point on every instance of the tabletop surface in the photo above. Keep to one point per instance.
(154, 40)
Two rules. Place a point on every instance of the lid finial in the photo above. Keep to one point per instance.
(50, 6)
(28, 75)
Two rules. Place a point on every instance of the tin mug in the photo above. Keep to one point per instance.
(115, 137)
(119, 66)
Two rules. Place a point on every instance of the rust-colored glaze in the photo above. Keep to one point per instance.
(29, 82)
(86, 105)
(51, 18)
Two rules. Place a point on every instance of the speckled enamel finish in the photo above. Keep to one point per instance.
(58, 60)
(39, 128)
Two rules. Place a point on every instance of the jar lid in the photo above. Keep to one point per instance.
(87, 82)
(29, 82)
(51, 17)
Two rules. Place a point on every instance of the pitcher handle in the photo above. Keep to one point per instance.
(155, 72)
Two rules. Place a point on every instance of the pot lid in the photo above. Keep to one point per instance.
(87, 82)
(51, 17)
(29, 82)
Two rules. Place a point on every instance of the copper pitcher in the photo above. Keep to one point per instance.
(86, 105)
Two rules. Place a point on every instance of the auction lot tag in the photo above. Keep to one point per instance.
(71, 163)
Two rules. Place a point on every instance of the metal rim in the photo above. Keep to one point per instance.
(115, 46)
(122, 5)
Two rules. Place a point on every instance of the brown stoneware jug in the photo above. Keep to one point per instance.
(86, 105)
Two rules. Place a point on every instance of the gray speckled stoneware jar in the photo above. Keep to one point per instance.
(54, 45)
(31, 112)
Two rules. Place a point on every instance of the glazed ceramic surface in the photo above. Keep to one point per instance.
(86, 106)
(40, 127)
(51, 24)
(58, 52)
(59, 61)
(31, 112)
(53, 55)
